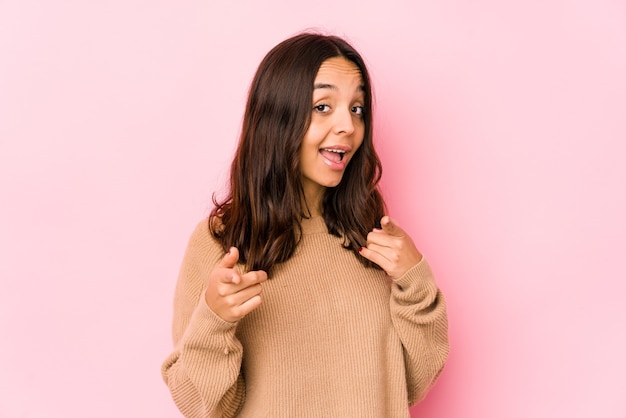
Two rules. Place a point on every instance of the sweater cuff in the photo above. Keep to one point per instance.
(420, 272)
(416, 285)
(207, 329)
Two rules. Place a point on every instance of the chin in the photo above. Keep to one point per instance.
(333, 183)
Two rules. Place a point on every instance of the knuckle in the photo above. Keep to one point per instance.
(228, 300)
(258, 277)
(237, 312)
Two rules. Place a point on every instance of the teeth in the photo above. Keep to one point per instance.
(338, 151)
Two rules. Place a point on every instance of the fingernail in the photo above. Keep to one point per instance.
(360, 249)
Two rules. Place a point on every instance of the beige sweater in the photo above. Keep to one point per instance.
(331, 338)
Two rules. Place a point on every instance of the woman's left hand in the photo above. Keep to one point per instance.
(391, 248)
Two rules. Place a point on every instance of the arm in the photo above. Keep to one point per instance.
(417, 306)
(203, 371)
(418, 312)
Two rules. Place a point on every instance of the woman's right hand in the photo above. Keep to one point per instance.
(231, 295)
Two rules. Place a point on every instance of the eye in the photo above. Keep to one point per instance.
(322, 108)
(358, 110)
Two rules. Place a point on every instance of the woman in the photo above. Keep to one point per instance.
(298, 296)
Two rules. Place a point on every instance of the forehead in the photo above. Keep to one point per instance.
(341, 68)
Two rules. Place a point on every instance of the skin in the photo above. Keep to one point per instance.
(336, 122)
(391, 248)
(232, 295)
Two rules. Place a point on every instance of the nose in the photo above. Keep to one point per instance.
(343, 122)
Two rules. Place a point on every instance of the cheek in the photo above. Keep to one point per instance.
(311, 142)
(361, 136)
(308, 152)
(314, 134)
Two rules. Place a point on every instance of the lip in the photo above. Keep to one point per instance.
(345, 148)
(333, 165)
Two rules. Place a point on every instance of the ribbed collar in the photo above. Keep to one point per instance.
(314, 225)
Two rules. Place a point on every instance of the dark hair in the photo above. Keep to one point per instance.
(261, 214)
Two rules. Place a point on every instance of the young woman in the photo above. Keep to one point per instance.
(298, 296)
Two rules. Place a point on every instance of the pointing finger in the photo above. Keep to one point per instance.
(391, 227)
(230, 258)
(227, 273)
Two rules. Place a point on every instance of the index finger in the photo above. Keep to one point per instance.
(391, 227)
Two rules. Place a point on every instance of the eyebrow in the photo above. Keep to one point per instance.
(331, 86)
(324, 86)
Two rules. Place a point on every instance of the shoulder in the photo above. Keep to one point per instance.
(201, 233)
(202, 244)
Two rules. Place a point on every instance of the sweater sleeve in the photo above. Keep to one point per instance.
(203, 371)
(419, 315)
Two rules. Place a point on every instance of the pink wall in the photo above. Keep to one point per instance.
(503, 134)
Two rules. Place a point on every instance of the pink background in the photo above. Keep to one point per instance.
(502, 130)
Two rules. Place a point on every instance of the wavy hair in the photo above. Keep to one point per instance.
(262, 212)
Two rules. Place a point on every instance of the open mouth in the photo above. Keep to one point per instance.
(332, 154)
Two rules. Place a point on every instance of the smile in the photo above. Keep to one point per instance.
(334, 157)
(333, 154)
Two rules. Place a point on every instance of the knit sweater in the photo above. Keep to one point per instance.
(331, 338)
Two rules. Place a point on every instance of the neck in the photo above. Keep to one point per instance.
(314, 201)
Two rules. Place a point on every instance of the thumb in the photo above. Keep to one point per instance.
(391, 227)
(230, 258)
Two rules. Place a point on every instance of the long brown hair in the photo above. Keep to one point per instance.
(262, 212)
